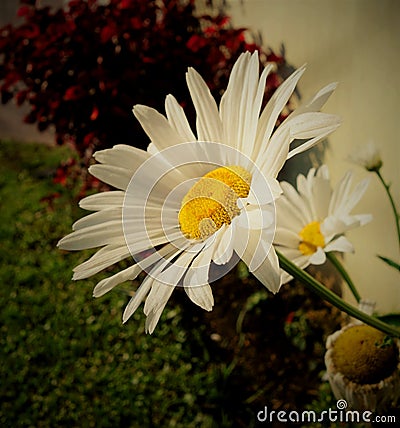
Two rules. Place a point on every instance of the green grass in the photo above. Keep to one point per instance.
(66, 358)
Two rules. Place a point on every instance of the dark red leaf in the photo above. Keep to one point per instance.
(24, 11)
(20, 97)
(74, 93)
(195, 43)
(95, 113)
(107, 33)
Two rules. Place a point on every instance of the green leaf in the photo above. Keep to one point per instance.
(393, 319)
(390, 262)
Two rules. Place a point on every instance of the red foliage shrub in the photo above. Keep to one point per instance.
(82, 68)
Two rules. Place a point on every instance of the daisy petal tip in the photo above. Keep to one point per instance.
(274, 286)
(150, 325)
(125, 317)
(98, 291)
(339, 121)
(208, 306)
(140, 109)
(303, 67)
(64, 244)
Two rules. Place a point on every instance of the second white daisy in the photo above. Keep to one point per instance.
(312, 221)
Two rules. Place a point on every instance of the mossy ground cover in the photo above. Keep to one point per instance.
(68, 361)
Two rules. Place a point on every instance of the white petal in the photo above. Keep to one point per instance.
(274, 107)
(102, 259)
(152, 149)
(254, 143)
(302, 127)
(158, 259)
(319, 257)
(159, 294)
(332, 123)
(304, 185)
(321, 194)
(332, 226)
(273, 158)
(167, 274)
(143, 240)
(209, 126)
(153, 317)
(103, 200)
(254, 248)
(157, 127)
(288, 217)
(363, 218)
(173, 274)
(298, 203)
(340, 193)
(177, 118)
(107, 284)
(286, 238)
(268, 273)
(343, 199)
(308, 125)
(317, 101)
(356, 195)
(123, 156)
(201, 295)
(224, 248)
(255, 217)
(137, 298)
(263, 190)
(198, 274)
(341, 244)
(94, 236)
(241, 104)
(230, 101)
(97, 218)
(112, 175)
(323, 172)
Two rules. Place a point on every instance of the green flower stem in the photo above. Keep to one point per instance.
(340, 268)
(332, 298)
(396, 214)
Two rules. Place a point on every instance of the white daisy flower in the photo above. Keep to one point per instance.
(191, 206)
(312, 220)
(367, 156)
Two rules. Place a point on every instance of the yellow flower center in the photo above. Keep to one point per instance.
(311, 238)
(212, 201)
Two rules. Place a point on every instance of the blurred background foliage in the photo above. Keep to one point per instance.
(83, 67)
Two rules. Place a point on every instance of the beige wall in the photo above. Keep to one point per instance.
(357, 43)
